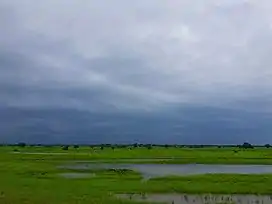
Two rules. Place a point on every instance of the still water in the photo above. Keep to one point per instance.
(159, 170)
(198, 199)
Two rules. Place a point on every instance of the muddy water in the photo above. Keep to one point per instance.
(198, 199)
(158, 170)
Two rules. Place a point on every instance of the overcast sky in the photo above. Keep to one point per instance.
(140, 57)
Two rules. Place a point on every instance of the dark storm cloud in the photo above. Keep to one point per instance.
(145, 59)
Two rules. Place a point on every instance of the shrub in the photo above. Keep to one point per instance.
(21, 144)
(65, 147)
(149, 146)
(267, 145)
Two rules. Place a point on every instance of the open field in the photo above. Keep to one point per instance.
(27, 176)
(177, 155)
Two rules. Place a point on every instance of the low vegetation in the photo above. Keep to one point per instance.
(29, 174)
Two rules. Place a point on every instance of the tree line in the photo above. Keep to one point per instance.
(245, 145)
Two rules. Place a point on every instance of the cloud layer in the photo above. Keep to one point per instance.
(143, 56)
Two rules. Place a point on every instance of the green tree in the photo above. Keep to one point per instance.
(247, 145)
(21, 144)
(66, 147)
(267, 145)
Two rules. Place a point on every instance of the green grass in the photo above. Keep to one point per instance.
(178, 155)
(31, 178)
(218, 183)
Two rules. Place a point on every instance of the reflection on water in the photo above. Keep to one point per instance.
(198, 199)
(157, 170)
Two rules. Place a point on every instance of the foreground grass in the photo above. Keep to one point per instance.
(34, 178)
(218, 183)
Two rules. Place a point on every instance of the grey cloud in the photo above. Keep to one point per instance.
(71, 126)
(154, 52)
(140, 57)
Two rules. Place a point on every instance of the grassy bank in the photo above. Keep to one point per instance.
(33, 178)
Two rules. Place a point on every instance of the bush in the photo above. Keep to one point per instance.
(149, 146)
(65, 147)
(21, 144)
(76, 146)
(267, 145)
(247, 145)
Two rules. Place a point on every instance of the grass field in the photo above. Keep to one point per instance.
(30, 174)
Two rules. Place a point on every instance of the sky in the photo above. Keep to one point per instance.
(157, 71)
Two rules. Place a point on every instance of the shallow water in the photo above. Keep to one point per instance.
(76, 175)
(198, 199)
(158, 170)
(124, 160)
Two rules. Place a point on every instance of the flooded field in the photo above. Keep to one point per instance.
(122, 160)
(159, 170)
(76, 175)
(198, 199)
(99, 175)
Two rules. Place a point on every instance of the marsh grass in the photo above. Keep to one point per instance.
(33, 178)
(173, 155)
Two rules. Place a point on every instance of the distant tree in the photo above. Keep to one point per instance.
(267, 145)
(166, 146)
(66, 147)
(102, 147)
(135, 145)
(149, 146)
(76, 146)
(219, 146)
(21, 144)
(112, 147)
(247, 145)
